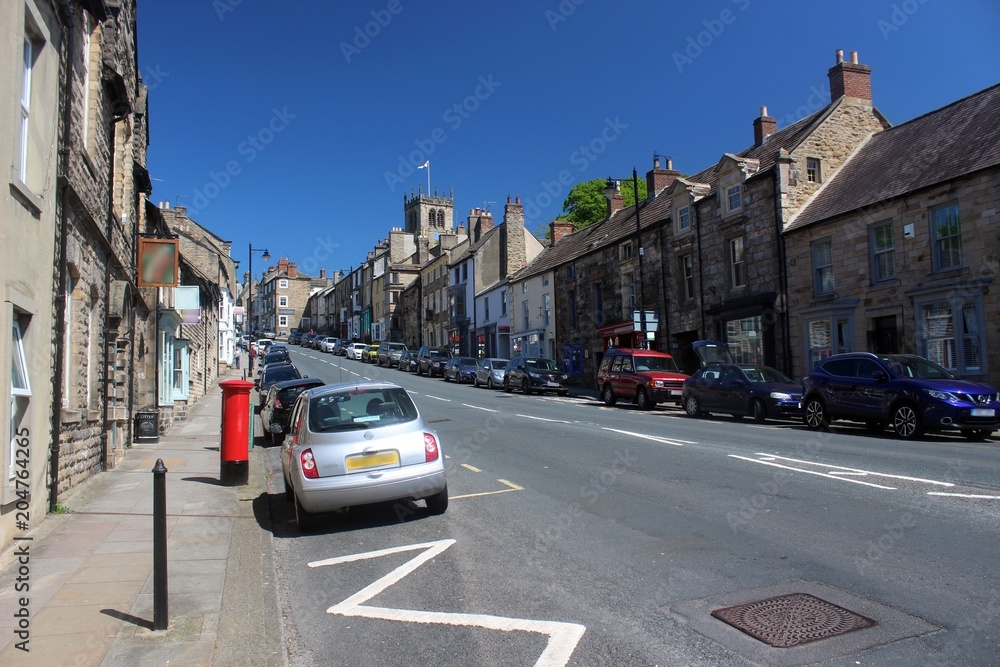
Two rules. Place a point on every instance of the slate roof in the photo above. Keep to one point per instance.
(947, 143)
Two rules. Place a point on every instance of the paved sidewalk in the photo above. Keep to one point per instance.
(91, 598)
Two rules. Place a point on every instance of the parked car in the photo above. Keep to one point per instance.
(743, 389)
(370, 355)
(278, 405)
(431, 360)
(911, 393)
(534, 374)
(489, 371)
(355, 444)
(389, 353)
(294, 337)
(328, 344)
(275, 355)
(356, 350)
(262, 345)
(646, 377)
(273, 374)
(340, 349)
(408, 361)
(459, 369)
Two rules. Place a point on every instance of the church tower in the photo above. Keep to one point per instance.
(429, 215)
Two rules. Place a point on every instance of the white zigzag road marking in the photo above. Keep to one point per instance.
(563, 637)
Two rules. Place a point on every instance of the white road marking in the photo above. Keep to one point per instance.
(438, 398)
(656, 438)
(512, 485)
(854, 471)
(811, 472)
(543, 419)
(365, 377)
(963, 495)
(477, 407)
(471, 467)
(563, 637)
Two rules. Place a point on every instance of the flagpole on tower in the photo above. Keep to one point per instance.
(427, 165)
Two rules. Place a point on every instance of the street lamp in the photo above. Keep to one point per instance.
(266, 257)
(610, 189)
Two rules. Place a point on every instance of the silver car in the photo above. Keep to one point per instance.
(356, 444)
(490, 372)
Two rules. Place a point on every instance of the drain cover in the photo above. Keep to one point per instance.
(793, 619)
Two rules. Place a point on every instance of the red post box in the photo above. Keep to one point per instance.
(234, 448)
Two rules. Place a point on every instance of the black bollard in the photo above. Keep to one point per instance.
(160, 620)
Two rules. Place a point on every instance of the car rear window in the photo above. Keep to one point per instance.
(437, 354)
(360, 409)
(281, 374)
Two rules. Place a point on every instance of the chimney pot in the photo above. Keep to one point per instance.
(508, 199)
(763, 111)
(656, 162)
(854, 57)
(517, 200)
(850, 79)
(840, 55)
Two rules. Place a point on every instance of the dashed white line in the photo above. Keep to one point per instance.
(655, 438)
(563, 637)
(470, 467)
(438, 398)
(543, 419)
(479, 407)
(963, 495)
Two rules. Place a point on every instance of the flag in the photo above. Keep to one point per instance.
(425, 164)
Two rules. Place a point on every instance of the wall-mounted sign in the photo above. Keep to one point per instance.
(158, 263)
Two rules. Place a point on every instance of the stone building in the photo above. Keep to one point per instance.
(283, 294)
(899, 253)
(707, 261)
(31, 32)
(102, 177)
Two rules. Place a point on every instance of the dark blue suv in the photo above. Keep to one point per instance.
(909, 392)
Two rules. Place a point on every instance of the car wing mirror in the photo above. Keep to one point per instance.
(880, 376)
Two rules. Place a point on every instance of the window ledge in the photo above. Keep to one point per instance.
(950, 273)
(821, 298)
(68, 416)
(885, 284)
(24, 193)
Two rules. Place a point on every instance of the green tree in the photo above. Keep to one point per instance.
(586, 204)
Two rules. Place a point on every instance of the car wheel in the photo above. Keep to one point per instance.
(418, 370)
(506, 386)
(438, 503)
(475, 381)
(642, 399)
(759, 411)
(977, 433)
(815, 417)
(306, 520)
(525, 387)
(609, 395)
(906, 422)
(489, 383)
(691, 407)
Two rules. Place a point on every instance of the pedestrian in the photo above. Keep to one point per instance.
(236, 355)
(253, 355)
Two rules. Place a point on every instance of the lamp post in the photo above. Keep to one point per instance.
(266, 257)
(610, 189)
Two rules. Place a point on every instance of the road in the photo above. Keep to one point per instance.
(585, 535)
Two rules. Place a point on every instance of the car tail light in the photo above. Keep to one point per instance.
(308, 464)
(430, 448)
(277, 404)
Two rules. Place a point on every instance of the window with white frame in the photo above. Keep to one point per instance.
(951, 333)
(826, 335)
(20, 392)
(67, 340)
(687, 276)
(947, 235)
(734, 198)
(180, 374)
(282, 320)
(684, 219)
(883, 253)
(166, 393)
(625, 251)
(524, 287)
(88, 30)
(282, 301)
(737, 265)
(283, 283)
(822, 258)
(27, 63)
(545, 280)
(813, 171)
(546, 309)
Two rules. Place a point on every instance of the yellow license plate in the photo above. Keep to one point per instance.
(377, 460)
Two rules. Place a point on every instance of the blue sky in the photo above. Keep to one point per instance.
(297, 125)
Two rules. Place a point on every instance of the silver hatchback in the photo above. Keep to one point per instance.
(356, 444)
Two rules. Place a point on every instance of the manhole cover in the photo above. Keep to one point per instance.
(793, 619)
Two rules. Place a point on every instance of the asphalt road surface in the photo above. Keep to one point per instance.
(579, 534)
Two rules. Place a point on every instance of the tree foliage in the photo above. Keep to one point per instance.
(586, 204)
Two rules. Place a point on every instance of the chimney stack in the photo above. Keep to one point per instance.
(617, 202)
(850, 79)
(763, 127)
(558, 229)
(293, 270)
(658, 180)
(515, 255)
(322, 273)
